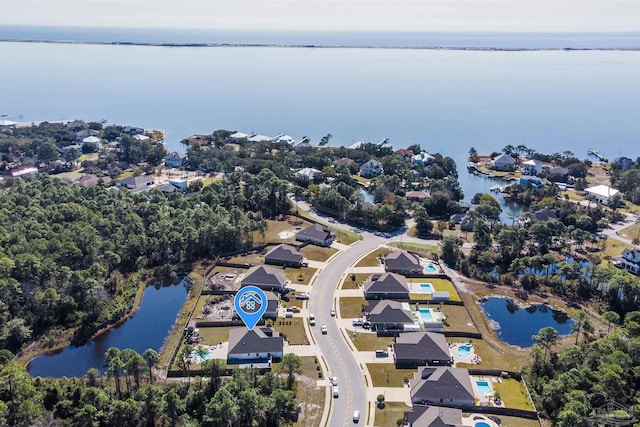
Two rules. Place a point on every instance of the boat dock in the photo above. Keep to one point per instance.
(598, 156)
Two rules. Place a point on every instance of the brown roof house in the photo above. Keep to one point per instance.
(402, 262)
(259, 346)
(443, 385)
(434, 416)
(387, 315)
(413, 349)
(316, 234)
(265, 277)
(386, 286)
(285, 255)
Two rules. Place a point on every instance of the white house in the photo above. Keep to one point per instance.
(532, 167)
(257, 346)
(602, 193)
(284, 139)
(503, 162)
(370, 169)
(307, 172)
(421, 158)
(630, 260)
(141, 137)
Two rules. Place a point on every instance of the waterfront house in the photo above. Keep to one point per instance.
(413, 349)
(175, 159)
(316, 234)
(503, 162)
(77, 125)
(404, 155)
(601, 193)
(136, 183)
(141, 137)
(388, 315)
(532, 167)
(386, 286)
(237, 136)
(265, 277)
(444, 385)
(259, 346)
(558, 173)
(254, 137)
(359, 145)
(467, 223)
(434, 416)
(7, 124)
(285, 255)
(417, 196)
(544, 215)
(530, 180)
(132, 130)
(86, 133)
(402, 262)
(630, 260)
(370, 169)
(284, 139)
(421, 158)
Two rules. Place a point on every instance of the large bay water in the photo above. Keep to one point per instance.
(148, 328)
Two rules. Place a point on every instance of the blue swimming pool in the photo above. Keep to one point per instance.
(425, 314)
(484, 388)
(464, 351)
(426, 288)
(482, 424)
(430, 268)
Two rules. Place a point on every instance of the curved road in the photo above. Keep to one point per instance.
(335, 350)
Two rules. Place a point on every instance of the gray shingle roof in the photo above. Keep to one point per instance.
(264, 275)
(387, 311)
(284, 253)
(434, 416)
(242, 340)
(443, 383)
(315, 232)
(421, 345)
(387, 283)
(402, 260)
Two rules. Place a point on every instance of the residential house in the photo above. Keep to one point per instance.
(434, 416)
(256, 346)
(388, 315)
(132, 130)
(421, 158)
(285, 255)
(309, 173)
(76, 149)
(503, 162)
(404, 155)
(530, 180)
(456, 218)
(402, 262)
(316, 234)
(273, 302)
(7, 124)
(21, 171)
(444, 385)
(370, 169)
(265, 277)
(359, 145)
(532, 167)
(284, 139)
(630, 260)
(467, 223)
(91, 140)
(167, 188)
(86, 133)
(135, 183)
(175, 159)
(413, 349)
(91, 180)
(417, 196)
(237, 136)
(141, 137)
(302, 147)
(386, 286)
(623, 163)
(558, 173)
(77, 125)
(602, 193)
(544, 215)
(254, 137)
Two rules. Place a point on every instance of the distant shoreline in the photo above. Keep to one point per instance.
(318, 46)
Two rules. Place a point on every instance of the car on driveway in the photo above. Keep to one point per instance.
(303, 295)
(357, 322)
(323, 329)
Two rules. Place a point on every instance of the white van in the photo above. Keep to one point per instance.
(356, 416)
(335, 391)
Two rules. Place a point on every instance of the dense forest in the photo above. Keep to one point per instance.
(129, 396)
(70, 257)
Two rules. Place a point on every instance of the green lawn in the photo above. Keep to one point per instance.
(214, 335)
(317, 253)
(370, 341)
(513, 394)
(390, 414)
(351, 306)
(387, 375)
(517, 422)
(295, 274)
(292, 330)
(493, 358)
(274, 228)
(353, 284)
(632, 232)
(440, 285)
(416, 247)
(458, 319)
(346, 237)
(372, 259)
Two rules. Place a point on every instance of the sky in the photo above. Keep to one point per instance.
(333, 15)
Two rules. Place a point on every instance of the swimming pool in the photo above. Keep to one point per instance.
(426, 288)
(429, 268)
(482, 424)
(484, 388)
(464, 351)
(425, 314)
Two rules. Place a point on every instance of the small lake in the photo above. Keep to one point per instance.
(148, 328)
(516, 325)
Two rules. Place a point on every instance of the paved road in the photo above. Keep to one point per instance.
(351, 385)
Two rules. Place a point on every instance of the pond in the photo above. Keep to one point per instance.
(516, 325)
(148, 328)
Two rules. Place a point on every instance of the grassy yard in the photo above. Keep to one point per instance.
(615, 247)
(317, 253)
(353, 284)
(387, 375)
(458, 319)
(274, 228)
(391, 414)
(517, 422)
(632, 232)
(372, 260)
(351, 306)
(513, 394)
(310, 396)
(291, 329)
(252, 258)
(293, 302)
(295, 274)
(493, 358)
(439, 285)
(415, 247)
(346, 237)
(370, 341)
(214, 335)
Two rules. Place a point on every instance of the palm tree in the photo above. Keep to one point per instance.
(151, 357)
(546, 337)
(580, 319)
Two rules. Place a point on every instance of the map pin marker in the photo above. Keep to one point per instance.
(250, 304)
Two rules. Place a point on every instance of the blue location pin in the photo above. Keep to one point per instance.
(250, 304)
